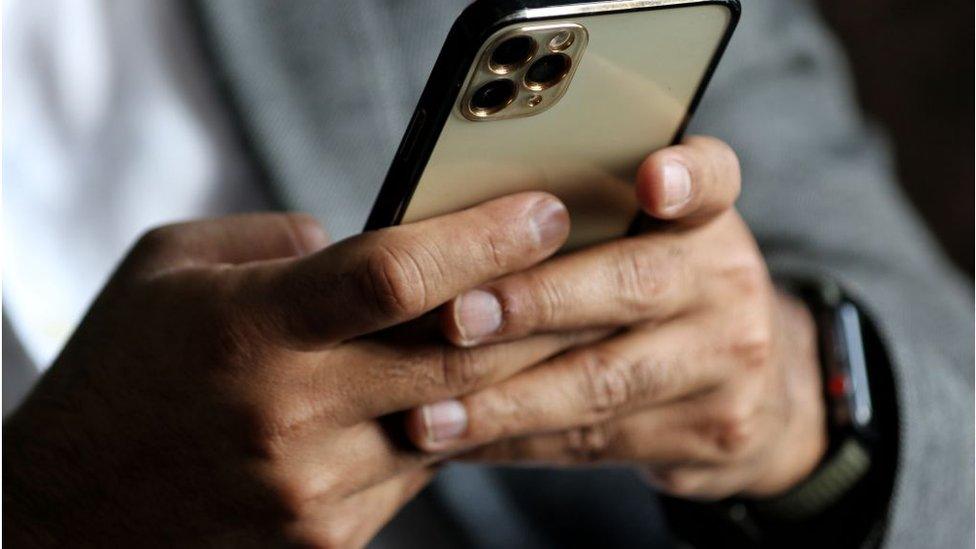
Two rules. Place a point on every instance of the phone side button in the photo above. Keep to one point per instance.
(413, 132)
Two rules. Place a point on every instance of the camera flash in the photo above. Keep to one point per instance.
(561, 41)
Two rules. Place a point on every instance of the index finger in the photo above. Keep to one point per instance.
(386, 277)
(690, 182)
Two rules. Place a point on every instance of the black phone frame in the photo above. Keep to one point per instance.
(477, 23)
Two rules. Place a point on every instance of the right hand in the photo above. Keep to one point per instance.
(219, 390)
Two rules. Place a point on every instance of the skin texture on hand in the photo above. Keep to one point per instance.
(710, 382)
(232, 383)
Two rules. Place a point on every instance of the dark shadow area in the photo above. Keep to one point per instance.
(913, 63)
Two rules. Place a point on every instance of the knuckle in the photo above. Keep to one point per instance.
(270, 434)
(501, 416)
(752, 337)
(277, 420)
(641, 277)
(394, 283)
(296, 489)
(293, 495)
(497, 249)
(607, 383)
(732, 429)
(611, 383)
(547, 301)
(461, 370)
(590, 443)
(753, 346)
(747, 274)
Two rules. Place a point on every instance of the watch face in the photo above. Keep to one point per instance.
(846, 375)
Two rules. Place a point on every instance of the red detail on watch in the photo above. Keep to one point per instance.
(837, 385)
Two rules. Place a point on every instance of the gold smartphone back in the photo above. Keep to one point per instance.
(635, 76)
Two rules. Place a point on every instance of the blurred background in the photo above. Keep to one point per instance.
(913, 62)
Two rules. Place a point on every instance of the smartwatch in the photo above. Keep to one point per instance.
(851, 421)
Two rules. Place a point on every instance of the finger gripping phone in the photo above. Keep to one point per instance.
(558, 96)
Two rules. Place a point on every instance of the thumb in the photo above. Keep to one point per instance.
(691, 182)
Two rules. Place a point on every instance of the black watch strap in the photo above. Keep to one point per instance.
(837, 475)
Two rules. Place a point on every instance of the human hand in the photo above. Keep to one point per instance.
(711, 384)
(221, 390)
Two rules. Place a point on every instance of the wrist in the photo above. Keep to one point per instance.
(848, 416)
(804, 441)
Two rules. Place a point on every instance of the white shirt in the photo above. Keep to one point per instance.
(110, 128)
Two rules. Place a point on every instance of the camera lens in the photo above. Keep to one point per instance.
(493, 97)
(547, 71)
(511, 54)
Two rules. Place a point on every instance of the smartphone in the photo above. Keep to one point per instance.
(560, 96)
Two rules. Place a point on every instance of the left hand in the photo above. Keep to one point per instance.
(710, 382)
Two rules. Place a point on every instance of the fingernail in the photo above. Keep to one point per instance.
(677, 186)
(551, 222)
(477, 313)
(445, 420)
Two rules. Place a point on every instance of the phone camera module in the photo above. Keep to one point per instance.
(493, 97)
(512, 54)
(548, 71)
(522, 70)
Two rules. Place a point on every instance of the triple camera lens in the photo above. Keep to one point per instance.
(512, 55)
